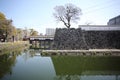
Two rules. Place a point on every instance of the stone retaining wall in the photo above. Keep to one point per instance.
(69, 39)
(79, 39)
(103, 39)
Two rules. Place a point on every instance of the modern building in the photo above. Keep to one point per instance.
(50, 31)
(114, 21)
(99, 27)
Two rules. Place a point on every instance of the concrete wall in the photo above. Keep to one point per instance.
(79, 39)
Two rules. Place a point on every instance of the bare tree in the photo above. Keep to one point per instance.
(88, 22)
(67, 13)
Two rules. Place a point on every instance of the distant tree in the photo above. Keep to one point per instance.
(2, 16)
(88, 22)
(6, 28)
(13, 33)
(33, 32)
(19, 34)
(26, 33)
(67, 13)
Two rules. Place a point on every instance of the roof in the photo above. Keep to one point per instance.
(43, 36)
(115, 17)
(100, 27)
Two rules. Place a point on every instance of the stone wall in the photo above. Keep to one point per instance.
(103, 39)
(79, 39)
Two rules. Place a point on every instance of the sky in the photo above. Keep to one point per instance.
(38, 14)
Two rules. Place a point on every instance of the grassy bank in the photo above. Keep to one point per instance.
(8, 46)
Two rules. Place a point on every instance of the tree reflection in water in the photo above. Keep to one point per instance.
(7, 61)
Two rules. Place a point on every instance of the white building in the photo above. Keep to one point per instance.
(50, 31)
(99, 27)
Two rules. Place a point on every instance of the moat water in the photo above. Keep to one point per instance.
(31, 65)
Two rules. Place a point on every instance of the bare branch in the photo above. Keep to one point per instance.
(67, 14)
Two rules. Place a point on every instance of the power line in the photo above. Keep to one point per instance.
(100, 8)
(96, 5)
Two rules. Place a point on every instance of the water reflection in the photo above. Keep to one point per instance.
(87, 77)
(7, 61)
(30, 65)
(67, 77)
(31, 53)
(86, 67)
